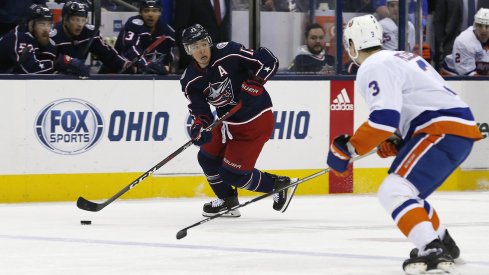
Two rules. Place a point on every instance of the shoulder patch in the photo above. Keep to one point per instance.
(53, 33)
(137, 21)
(221, 45)
(90, 27)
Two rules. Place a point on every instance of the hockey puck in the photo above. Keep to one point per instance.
(86, 222)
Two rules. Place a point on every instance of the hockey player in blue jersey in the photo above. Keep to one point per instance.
(142, 30)
(405, 94)
(225, 75)
(72, 35)
(27, 49)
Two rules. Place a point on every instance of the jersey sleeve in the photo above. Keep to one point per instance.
(262, 63)
(107, 54)
(382, 91)
(131, 46)
(30, 61)
(198, 106)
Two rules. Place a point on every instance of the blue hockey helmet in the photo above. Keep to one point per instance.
(193, 34)
(74, 8)
(40, 13)
(149, 4)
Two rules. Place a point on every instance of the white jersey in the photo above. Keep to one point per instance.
(404, 93)
(390, 33)
(468, 56)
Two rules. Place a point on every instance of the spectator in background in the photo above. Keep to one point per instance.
(470, 55)
(390, 29)
(213, 15)
(15, 12)
(142, 30)
(411, 9)
(312, 57)
(73, 37)
(27, 49)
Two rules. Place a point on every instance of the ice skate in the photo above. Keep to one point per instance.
(219, 206)
(280, 199)
(451, 246)
(434, 259)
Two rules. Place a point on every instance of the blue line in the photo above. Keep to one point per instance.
(217, 248)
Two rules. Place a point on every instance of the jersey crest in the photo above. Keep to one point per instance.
(220, 94)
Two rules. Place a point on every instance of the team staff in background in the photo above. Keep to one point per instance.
(213, 15)
(27, 49)
(15, 12)
(142, 30)
(390, 28)
(312, 57)
(405, 94)
(469, 55)
(72, 35)
(225, 75)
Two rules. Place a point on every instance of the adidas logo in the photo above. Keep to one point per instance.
(342, 102)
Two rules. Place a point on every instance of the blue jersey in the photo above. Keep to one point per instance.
(74, 47)
(39, 60)
(135, 37)
(219, 83)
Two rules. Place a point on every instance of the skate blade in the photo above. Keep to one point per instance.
(232, 214)
(420, 269)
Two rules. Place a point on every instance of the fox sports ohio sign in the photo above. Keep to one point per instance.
(69, 126)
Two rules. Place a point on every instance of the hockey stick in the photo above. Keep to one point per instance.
(87, 205)
(149, 49)
(97, 18)
(183, 233)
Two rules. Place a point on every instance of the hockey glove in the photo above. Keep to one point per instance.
(252, 87)
(339, 155)
(390, 147)
(199, 135)
(75, 66)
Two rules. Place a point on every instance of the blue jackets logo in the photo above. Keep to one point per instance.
(69, 126)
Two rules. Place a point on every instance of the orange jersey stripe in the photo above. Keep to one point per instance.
(367, 138)
(416, 153)
(451, 128)
(435, 220)
(413, 217)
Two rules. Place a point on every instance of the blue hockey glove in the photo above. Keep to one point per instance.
(75, 66)
(339, 154)
(198, 133)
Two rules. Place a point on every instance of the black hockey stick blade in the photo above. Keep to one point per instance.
(87, 205)
(183, 233)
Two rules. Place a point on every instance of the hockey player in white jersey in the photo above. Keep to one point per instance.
(437, 129)
(390, 28)
(470, 55)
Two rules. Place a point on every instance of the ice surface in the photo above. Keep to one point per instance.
(335, 234)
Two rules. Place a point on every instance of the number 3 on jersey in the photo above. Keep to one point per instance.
(374, 87)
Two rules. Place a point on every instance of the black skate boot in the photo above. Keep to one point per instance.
(449, 243)
(434, 258)
(280, 198)
(222, 205)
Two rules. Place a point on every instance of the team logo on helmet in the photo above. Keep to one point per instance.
(69, 126)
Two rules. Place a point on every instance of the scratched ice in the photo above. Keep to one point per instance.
(335, 234)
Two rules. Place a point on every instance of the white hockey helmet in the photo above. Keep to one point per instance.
(364, 31)
(482, 17)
